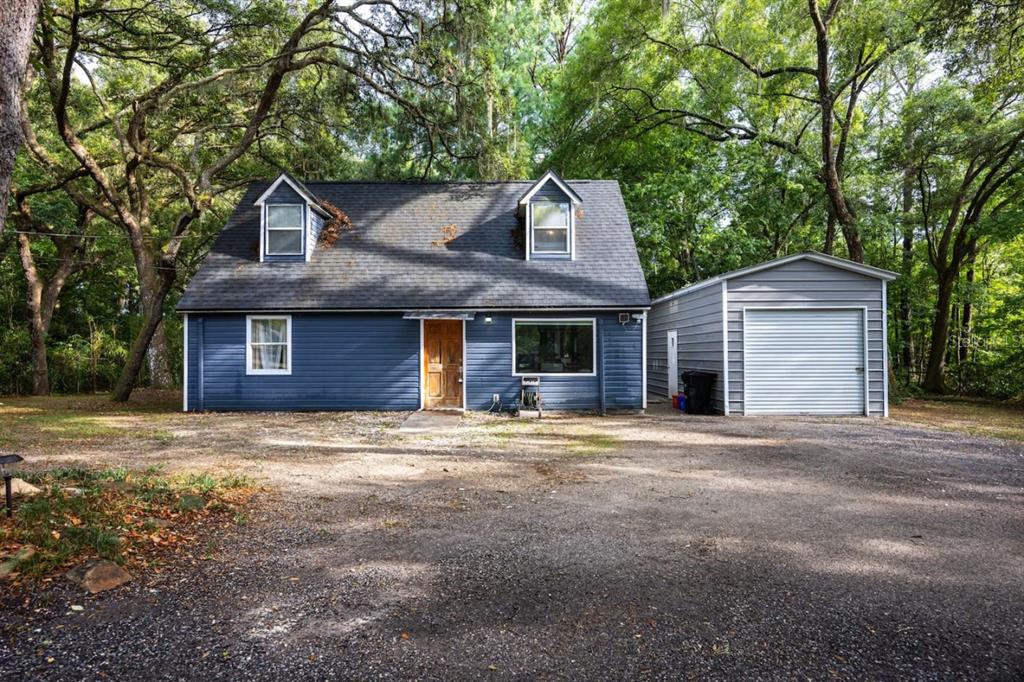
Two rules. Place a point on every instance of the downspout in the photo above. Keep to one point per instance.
(202, 354)
(600, 354)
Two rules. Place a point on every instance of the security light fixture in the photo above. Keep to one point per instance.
(8, 463)
(488, 320)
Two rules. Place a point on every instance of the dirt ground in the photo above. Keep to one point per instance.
(655, 546)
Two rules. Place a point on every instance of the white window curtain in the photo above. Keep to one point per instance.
(269, 341)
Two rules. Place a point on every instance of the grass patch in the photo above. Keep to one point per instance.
(116, 514)
(46, 420)
(974, 417)
(592, 444)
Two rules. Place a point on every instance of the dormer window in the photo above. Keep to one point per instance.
(550, 227)
(290, 220)
(548, 209)
(284, 229)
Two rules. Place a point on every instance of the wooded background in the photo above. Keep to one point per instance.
(886, 131)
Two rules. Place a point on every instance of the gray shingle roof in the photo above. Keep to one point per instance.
(389, 261)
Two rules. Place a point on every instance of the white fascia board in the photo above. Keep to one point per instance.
(813, 256)
(311, 201)
(842, 263)
(562, 185)
(477, 309)
(688, 289)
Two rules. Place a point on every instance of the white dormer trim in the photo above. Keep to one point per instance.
(307, 240)
(311, 203)
(555, 178)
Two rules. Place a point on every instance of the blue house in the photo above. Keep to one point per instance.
(405, 296)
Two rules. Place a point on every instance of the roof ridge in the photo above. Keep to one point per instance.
(437, 182)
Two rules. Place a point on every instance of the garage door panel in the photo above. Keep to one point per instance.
(804, 361)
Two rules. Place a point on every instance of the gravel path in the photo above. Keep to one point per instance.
(650, 547)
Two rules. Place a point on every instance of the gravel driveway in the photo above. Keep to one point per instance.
(650, 547)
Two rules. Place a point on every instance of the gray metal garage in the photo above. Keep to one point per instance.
(804, 334)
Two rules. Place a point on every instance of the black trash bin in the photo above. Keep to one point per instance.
(698, 391)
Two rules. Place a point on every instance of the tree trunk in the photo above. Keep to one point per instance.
(17, 26)
(968, 311)
(906, 273)
(830, 163)
(152, 316)
(40, 365)
(37, 327)
(935, 375)
(158, 359)
(830, 232)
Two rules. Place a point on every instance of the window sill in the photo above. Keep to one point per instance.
(554, 374)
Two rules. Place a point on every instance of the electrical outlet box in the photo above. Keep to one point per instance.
(495, 397)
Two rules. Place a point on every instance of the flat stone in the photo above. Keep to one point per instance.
(430, 421)
(156, 522)
(13, 563)
(191, 503)
(72, 491)
(97, 575)
(20, 487)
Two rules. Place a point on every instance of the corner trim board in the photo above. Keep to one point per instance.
(184, 373)
(725, 347)
(643, 364)
(423, 383)
(885, 349)
(465, 366)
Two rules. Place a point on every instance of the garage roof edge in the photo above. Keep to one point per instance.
(824, 259)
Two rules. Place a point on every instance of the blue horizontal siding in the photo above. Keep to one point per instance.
(339, 362)
(489, 365)
(623, 356)
(371, 361)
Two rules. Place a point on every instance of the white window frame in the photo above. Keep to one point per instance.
(301, 228)
(592, 321)
(568, 229)
(248, 345)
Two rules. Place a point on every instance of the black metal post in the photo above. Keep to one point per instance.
(7, 494)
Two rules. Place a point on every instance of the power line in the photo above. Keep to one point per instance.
(81, 236)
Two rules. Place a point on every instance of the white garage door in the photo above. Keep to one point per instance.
(804, 361)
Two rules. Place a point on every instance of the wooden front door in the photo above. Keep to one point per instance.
(442, 363)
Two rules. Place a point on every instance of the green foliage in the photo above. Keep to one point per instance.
(719, 166)
(84, 513)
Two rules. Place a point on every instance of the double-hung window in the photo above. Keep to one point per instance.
(549, 347)
(550, 227)
(268, 344)
(284, 229)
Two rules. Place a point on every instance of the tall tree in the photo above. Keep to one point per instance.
(43, 289)
(787, 78)
(968, 158)
(17, 23)
(181, 98)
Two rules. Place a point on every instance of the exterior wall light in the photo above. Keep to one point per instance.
(8, 463)
(488, 320)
